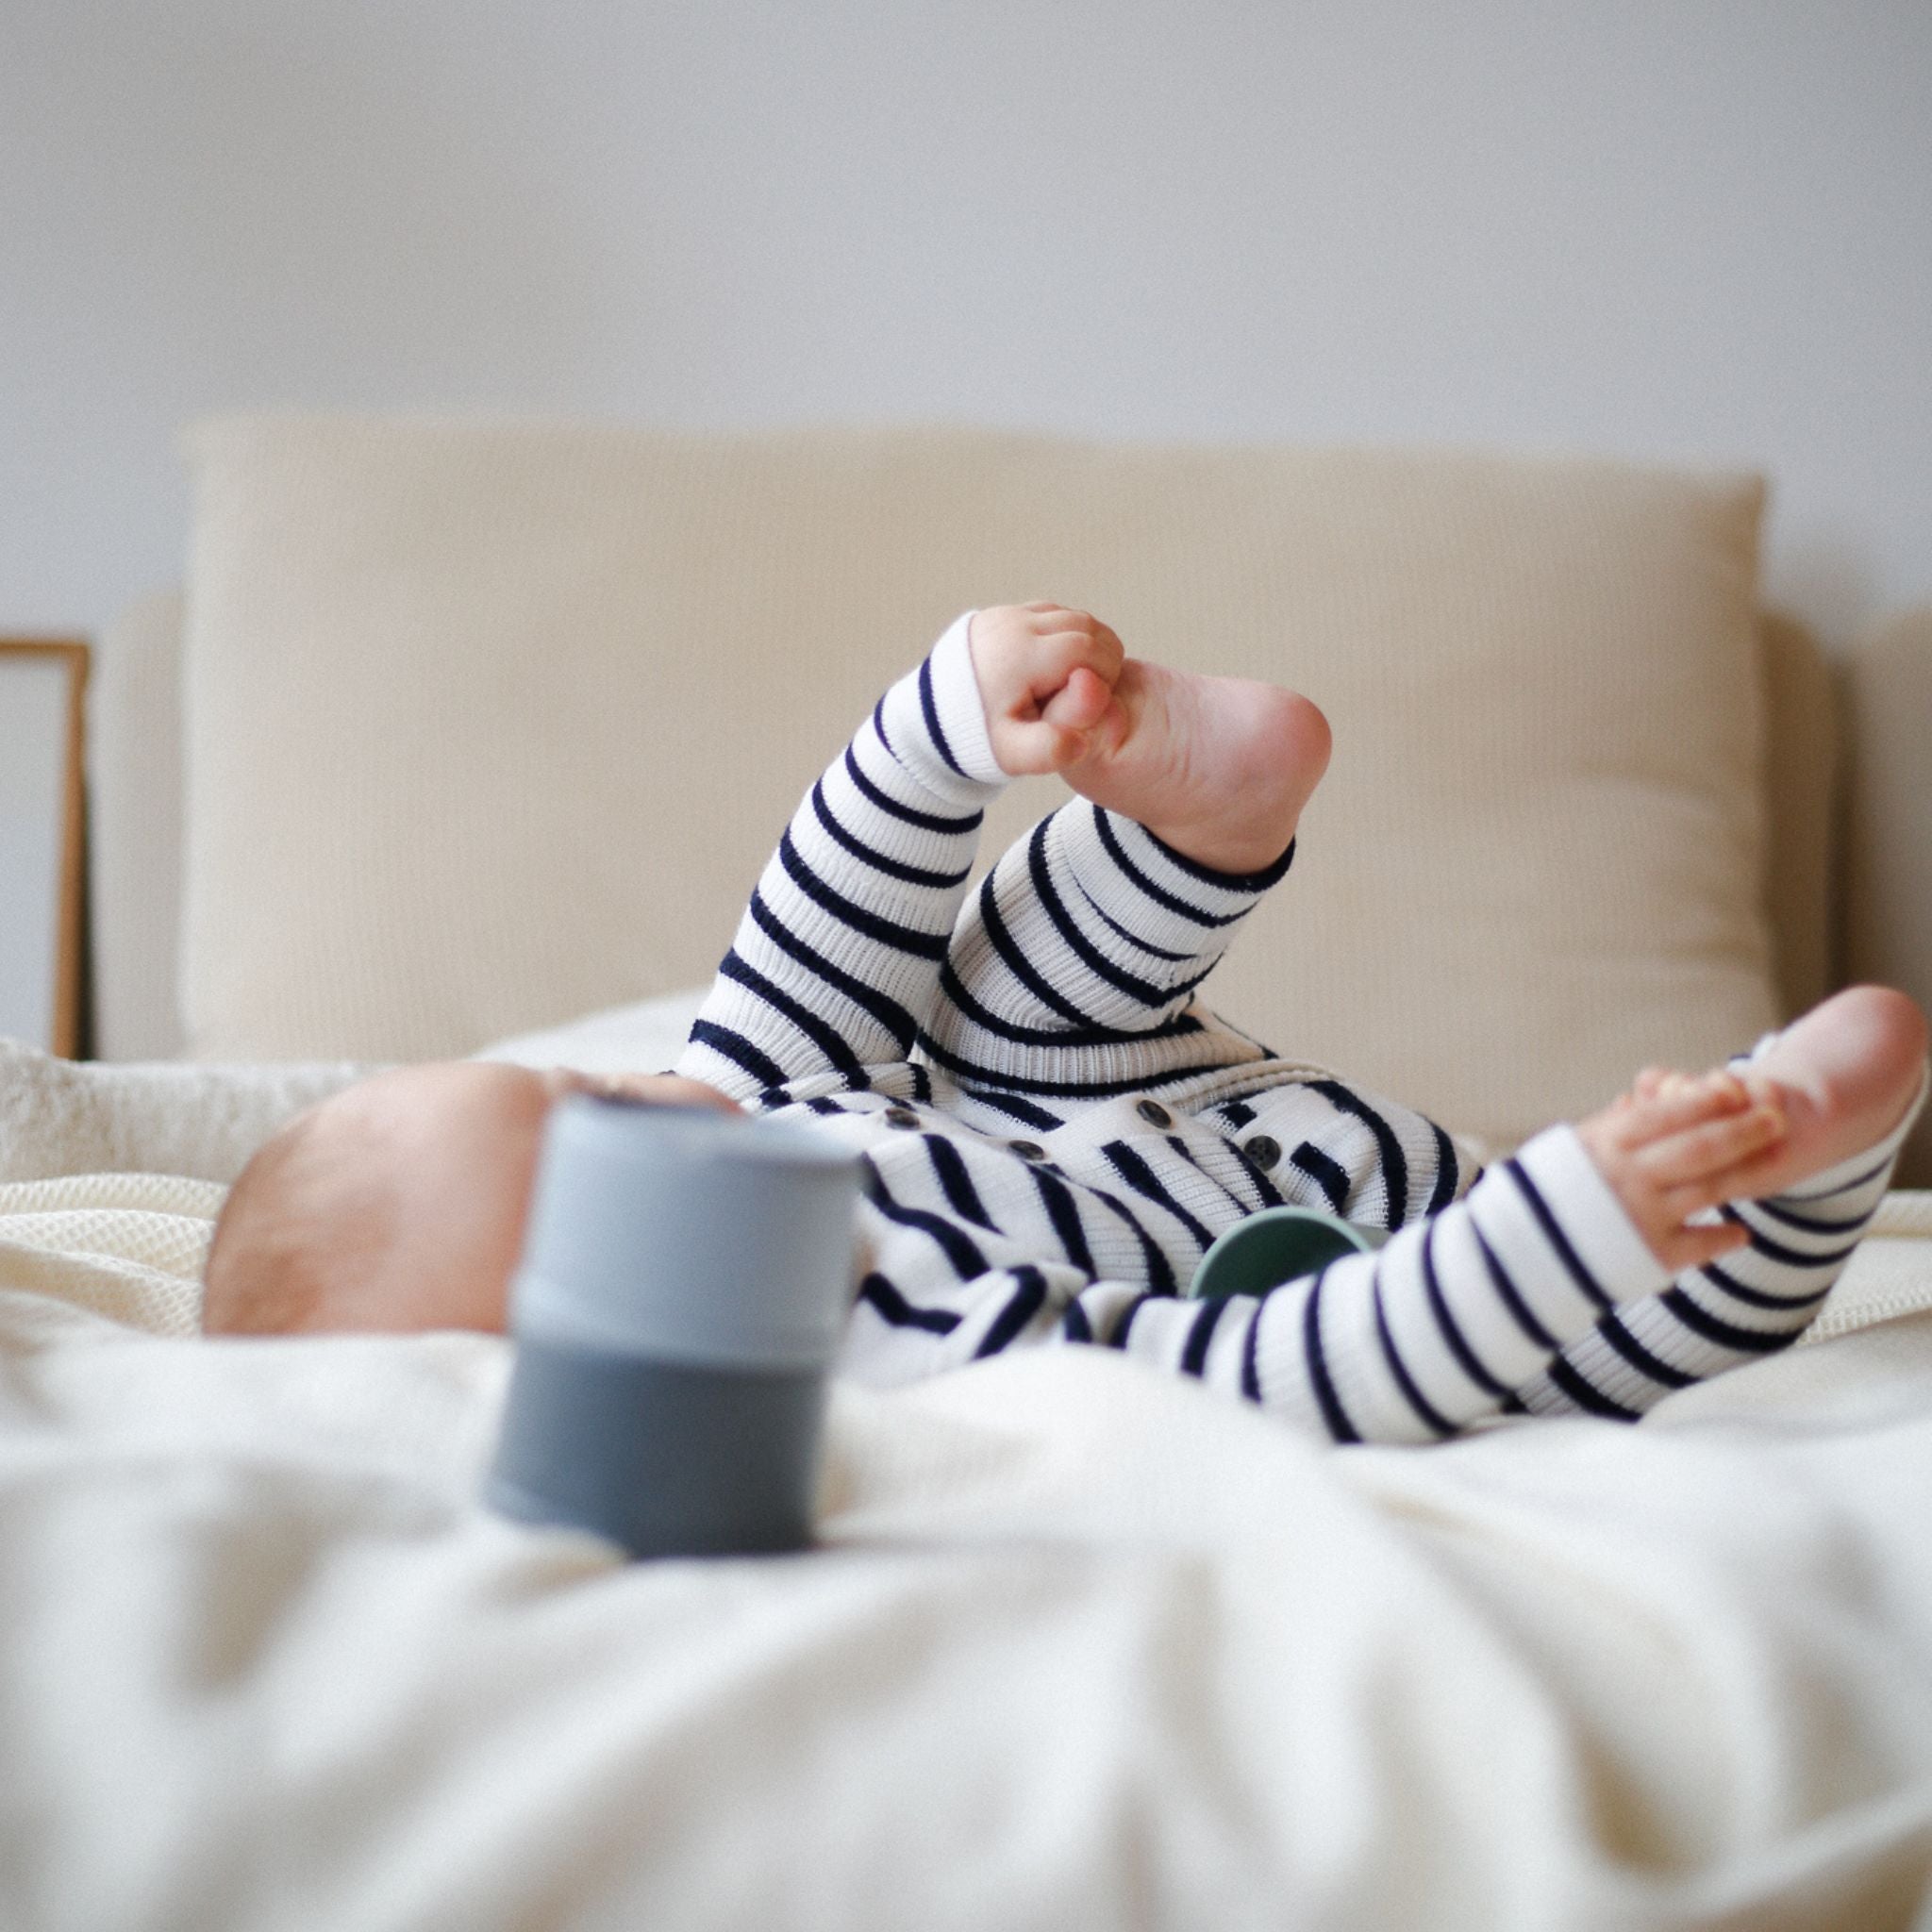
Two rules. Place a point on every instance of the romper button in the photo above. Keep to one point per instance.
(1027, 1150)
(1264, 1150)
(901, 1117)
(1154, 1113)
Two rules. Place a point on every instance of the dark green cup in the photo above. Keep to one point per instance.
(1278, 1244)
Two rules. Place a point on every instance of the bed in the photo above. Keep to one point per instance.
(1081, 1645)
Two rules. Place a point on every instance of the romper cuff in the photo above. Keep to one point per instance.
(934, 724)
(1589, 1213)
(961, 709)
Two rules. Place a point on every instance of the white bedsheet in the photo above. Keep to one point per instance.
(1084, 1647)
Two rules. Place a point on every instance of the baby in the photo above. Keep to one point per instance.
(1053, 1128)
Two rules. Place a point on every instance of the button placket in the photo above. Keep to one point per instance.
(1264, 1150)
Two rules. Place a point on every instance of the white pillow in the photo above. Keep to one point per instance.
(644, 1037)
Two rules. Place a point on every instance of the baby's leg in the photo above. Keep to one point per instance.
(1218, 769)
(1849, 1078)
(1070, 974)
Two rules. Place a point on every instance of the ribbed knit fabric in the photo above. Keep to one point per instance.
(1053, 1128)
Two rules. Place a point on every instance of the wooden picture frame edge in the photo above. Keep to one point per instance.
(71, 913)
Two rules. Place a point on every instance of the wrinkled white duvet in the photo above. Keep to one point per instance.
(1084, 1646)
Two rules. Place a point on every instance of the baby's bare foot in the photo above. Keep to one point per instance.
(1219, 768)
(1843, 1077)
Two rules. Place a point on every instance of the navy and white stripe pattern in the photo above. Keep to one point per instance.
(1053, 1128)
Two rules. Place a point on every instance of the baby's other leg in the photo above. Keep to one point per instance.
(1072, 974)
(1849, 1079)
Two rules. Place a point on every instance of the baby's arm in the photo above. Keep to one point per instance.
(1727, 1307)
(835, 963)
(836, 958)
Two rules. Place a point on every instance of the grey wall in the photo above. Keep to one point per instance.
(1671, 228)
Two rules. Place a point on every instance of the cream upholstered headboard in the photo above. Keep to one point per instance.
(1834, 903)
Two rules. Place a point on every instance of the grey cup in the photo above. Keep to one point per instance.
(684, 1284)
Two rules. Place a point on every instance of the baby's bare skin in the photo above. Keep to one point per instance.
(1673, 1151)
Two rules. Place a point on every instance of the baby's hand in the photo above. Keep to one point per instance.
(1046, 678)
(1677, 1146)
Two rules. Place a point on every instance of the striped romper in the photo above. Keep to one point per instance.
(1053, 1128)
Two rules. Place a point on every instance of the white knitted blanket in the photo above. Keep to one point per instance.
(1086, 1647)
(130, 1151)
